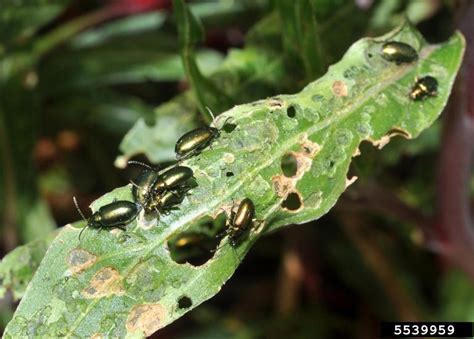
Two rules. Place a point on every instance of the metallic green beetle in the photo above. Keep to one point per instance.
(398, 52)
(195, 141)
(240, 221)
(116, 214)
(165, 201)
(424, 87)
(173, 178)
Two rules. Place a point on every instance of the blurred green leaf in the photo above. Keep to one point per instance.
(134, 25)
(157, 137)
(391, 13)
(117, 284)
(456, 298)
(24, 214)
(301, 35)
(18, 267)
(109, 65)
(19, 20)
(191, 33)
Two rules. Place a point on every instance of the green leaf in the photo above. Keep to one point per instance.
(24, 214)
(191, 32)
(116, 284)
(20, 20)
(134, 25)
(301, 36)
(157, 138)
(83, 69)
(457, 297)
(18, 267)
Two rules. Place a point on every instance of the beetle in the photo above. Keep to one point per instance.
(191, 240)
(398, 52)
(240, 221)
(142, 189)
(164, 201)
(177, 176)
(195, 141)
(149, 189)
(424, 87)
(193, 247)
(143, 186)
(118, 214)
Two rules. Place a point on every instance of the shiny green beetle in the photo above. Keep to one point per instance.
(164, 201)
(156, 192)
(173, 178)
(142, 189)
(424, 87)
(193, 247)
(116, 214)
(398, 52)
(195, 141)
(143, 186)
(240, 221)
(191, 240)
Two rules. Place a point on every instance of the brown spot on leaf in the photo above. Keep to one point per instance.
(229, 158)
(303, 163)
(339, 88)
(310, 148)
(146, 318)
(79, 260)
(283, 185)
(104, 283)
(274, 104)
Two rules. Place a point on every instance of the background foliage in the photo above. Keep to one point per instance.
(85, 85)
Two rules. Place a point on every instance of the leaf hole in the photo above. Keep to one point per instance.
(292, 202)
(291, 112)
(370, 55)
(289, 165)
(198, 245)
(229, 128)
(184, 302)
(229, 174)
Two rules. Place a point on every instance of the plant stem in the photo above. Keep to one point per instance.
(454, 225)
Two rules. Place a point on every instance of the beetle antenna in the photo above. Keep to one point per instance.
(133, 162)
(219, 235)
(210, 113)
(83, 229)
(134, 184)
(82, 215)
(78, 208)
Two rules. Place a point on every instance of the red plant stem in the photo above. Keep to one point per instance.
(454, 227)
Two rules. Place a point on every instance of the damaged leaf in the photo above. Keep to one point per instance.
(115, 283)
(18, 267)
